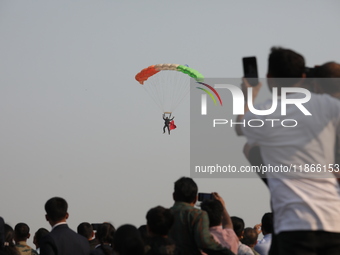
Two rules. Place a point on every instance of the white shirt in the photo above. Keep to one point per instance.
(310, 201)
(263, 245)
(58, 224)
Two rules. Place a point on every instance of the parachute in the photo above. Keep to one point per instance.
(167, 84)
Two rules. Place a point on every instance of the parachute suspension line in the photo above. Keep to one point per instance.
(153, 97)
(183, 90)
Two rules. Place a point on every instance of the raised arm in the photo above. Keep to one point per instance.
(226, 221)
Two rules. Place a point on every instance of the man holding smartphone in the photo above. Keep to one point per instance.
(190, 229)
(306, 205)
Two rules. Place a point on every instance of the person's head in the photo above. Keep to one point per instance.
(249, 237)
(185, 190)
(267, 226)
(143, 230)
(41, 232)
(331, 85)
(128, 241)
(167, 118)
(285, 63)
(105, 233)
(9, 246)
(85, 229)
(56, 210)
(238, 225)
(159, 221)
(21, 232)
(9, 235)
(214, 208)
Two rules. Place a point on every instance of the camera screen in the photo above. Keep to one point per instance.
(204, 196)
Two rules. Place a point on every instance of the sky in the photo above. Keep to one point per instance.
(75, 123)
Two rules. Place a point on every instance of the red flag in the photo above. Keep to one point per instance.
(172, 125)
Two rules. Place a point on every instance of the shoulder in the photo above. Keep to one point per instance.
(244, 250)
(185, 210)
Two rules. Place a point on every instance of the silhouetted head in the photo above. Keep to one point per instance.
(21, 232)
(159, 220)
(249, 237)
(85, 229)
(41, 232)
(128, 241)
(9, 235)
(238, 225)
(214, 208)
(285, 63)
(267, 223)
(56, 209)
(185, 190)
(105, 233)
(331, 85)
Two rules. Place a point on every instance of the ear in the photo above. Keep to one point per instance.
(47, 218)
(66, 216)
(28, 236)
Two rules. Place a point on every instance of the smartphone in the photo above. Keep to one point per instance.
(204, 196)
(250, 70)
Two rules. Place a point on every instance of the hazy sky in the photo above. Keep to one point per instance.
(76, 124)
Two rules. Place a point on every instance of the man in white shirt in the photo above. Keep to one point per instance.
(263, 245)
(238, 225)
(305, 195)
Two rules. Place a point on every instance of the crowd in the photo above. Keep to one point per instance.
(305, 204)
(182, 229)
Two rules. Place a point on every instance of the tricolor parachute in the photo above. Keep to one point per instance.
(167, 84)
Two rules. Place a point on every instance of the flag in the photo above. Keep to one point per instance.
(172, 125)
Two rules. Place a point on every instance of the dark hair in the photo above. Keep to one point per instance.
(285, 63)
(21, 231)
(238, 225)
(9, 248)
(214, 208)
(105, 235)
(144, 233)
(56, 208)
(41, 232)
(128, 241)
(159, 220)
(267, 223)
(249, 237)
(185, 190)
(331, 71)
(85, 229)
